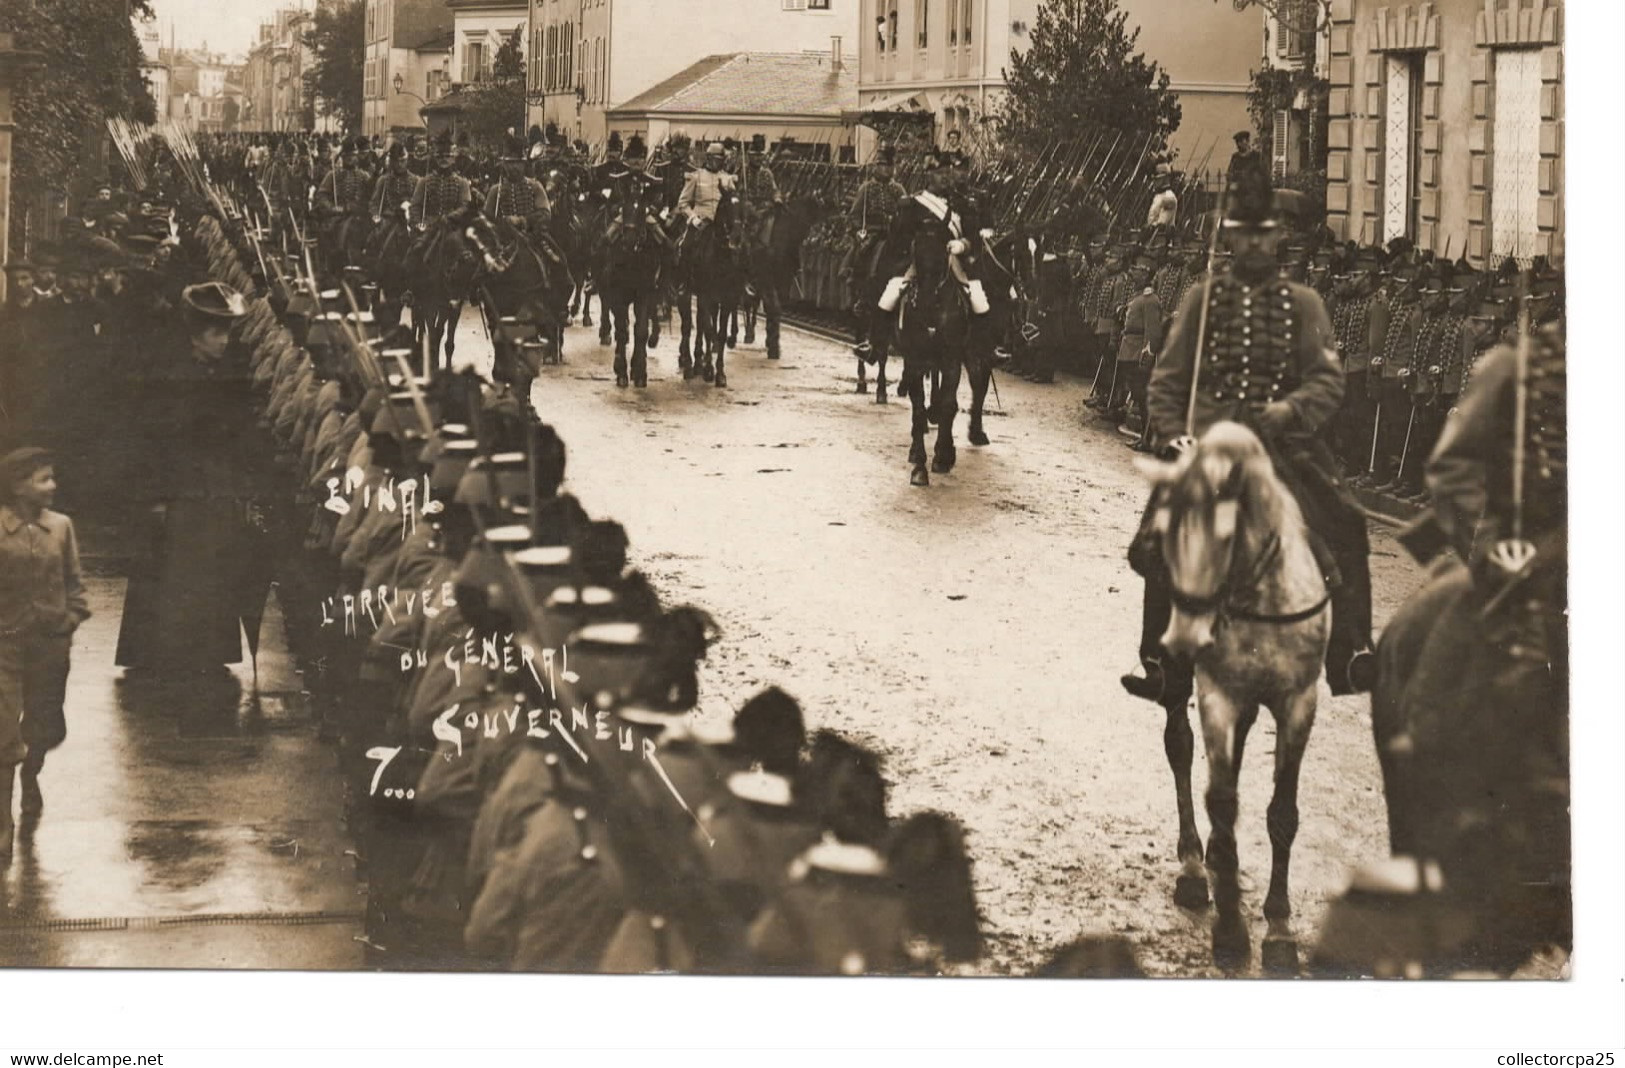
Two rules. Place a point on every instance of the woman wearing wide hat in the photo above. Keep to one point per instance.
(202, 576)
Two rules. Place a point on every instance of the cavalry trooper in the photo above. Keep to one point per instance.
(673, 167)
(873, 207)
(519, 200)
(442, 192)
(344, 189)
(1267, 359)
(762, 193)
(395, 186)
(278, 183)
(608, 174)
(637, 194)
(702, 198)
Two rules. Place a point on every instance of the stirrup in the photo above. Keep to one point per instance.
(1361, 673)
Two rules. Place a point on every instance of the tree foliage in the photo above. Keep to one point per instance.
(489, 109)
(337, 40)
(1082, 73)
(91, 71)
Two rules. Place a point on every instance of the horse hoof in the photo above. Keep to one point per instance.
(977, 437)
(654, 341)
(750, 337)
(944, 461)
(1232, 946)
(721, 381)
(918, 477)
(641, 381)
(1190, 892)
(622, 381)
(707, 373)
(603, 342)
(773, 355)
(1280, 957)
(863, 387)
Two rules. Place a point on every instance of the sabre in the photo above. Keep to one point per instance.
(1376, 427)
(1201, 321)
(1405, 450)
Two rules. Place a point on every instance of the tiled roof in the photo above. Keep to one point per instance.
(438, 41)
(770, 83)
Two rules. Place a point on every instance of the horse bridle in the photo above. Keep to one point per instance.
(1219, 605)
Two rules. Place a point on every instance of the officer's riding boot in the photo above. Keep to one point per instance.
(1166, 682)
(1351, 666)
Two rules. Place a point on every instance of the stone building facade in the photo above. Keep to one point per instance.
(1446, 126)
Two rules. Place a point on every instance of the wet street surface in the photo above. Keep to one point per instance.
(972, 632)
(183, 828)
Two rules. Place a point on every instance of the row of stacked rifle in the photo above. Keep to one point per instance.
(516, 712)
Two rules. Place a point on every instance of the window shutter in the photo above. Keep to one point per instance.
(1278, 141)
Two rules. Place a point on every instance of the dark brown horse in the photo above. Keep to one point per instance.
(713, 280)
(442, 267)
(633, 258)
(1470, 719)
(524, 291)
(939, 339)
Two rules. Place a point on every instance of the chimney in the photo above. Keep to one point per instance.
(835, 54)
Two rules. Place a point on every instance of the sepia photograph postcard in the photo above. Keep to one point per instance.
(928, 489)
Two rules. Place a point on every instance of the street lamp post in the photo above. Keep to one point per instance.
(399, 81)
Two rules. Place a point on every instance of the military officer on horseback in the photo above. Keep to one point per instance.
(637, 194)
(442, 191)
(702, 199)
(344, 189)
(932, 210)
(871, 212)
(395, 186)
(520, 201)
(1268, 359)
(610, 173)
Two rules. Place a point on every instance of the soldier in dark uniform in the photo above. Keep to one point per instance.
(1399, 317)
(1141, 341)
(1351, 322)
(636, 194)
(1268, 360)
(609, 173)
(419, 164)
(442, 193)
(871, 212)
(520, 200)
(1111, 293)
(395, 186)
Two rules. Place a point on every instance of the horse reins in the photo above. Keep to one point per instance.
(1216, 603)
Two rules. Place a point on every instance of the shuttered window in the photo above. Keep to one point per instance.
(1515, 184)
(1399, 148)
(1280, 136)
